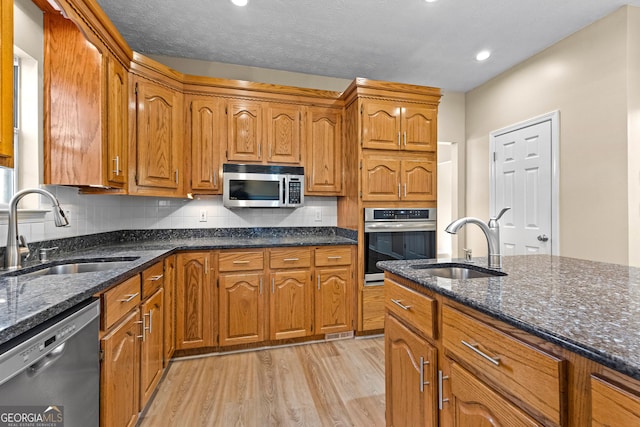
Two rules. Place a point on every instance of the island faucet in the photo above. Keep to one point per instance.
(491, 232)
(12, 258)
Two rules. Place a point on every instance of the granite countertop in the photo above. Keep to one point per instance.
(590, 308)
(28, 301)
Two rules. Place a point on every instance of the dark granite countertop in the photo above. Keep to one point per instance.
(590, 308)
(28, 301)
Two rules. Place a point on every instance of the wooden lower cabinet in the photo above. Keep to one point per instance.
(613, 404)
(195, 303)
(242, 304)
(477, 405)
(120, 373)
(334, 300)
(290, 304)
(169, 308)
(411, 377)
(152, 351)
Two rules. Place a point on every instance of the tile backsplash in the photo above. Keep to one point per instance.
(90, 214)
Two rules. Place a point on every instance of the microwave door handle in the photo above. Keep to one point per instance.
(284, 191)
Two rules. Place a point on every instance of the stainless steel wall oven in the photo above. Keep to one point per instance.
(396, 234)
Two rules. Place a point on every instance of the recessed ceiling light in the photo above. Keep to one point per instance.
(240, 2)
(483, 55)
(431, 1)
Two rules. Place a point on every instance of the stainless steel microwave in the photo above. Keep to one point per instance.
(262, 186)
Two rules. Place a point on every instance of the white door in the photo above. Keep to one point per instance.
(522, 180)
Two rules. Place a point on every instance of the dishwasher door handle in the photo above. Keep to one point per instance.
(46, 361)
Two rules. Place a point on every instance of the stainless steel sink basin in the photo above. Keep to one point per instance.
(79, 267)
(458, 271)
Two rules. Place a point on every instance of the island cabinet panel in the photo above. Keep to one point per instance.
(411, 377)
(613, 405)
(159, 139)
(476, 405)
(414, 308)
(323, 144)
(195, 301)
(532, 378)
(6, 84)
(120, 373)
(206, 131)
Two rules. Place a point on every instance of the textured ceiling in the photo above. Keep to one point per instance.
(408, 41)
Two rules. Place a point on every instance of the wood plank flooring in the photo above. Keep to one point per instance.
(335, 383)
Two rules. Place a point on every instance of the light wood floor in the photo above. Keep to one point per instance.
(336, 383)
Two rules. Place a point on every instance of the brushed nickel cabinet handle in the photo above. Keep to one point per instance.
(399, 191)
(117, 165)
(405, 138)
(405, 190)
(129, 298)
(400, 304)
(334, 257)
(441, 399)
(241, 262)
(261, 286)
(318, 282)
(423, 383)
(177, 176)
(215, 178)
(474, 347)
(155, 278)
(150, 321)
(398, 138)
(273, 285)
(291, 259)
(143, 336)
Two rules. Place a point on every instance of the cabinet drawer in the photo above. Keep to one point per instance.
(290, 257)
(152, 279)
(118, 301)
(241, 260)
(372, 308)
(613, 405)
(531, 376)
(416, 309)
(340, 255)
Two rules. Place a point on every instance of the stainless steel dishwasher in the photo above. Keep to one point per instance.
(53, 372)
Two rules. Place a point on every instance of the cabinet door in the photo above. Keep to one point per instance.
(380, 125)
(612, 405)
(411, 377)
(120, 373)
(6, 84)
(195, 306)
(333, 300)
(117, 127)
(323, 166)
(283, 133)
(290, 306)
(151, 352)
(418, 180)
(244, 127)
(169, 308)
(241, 308)
(381, 180)
(476, 405)
(205, 144)
(419, 129)
(159, 133)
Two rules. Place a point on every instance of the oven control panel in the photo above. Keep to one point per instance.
(380, 214)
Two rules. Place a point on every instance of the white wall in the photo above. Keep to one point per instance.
(584, 77)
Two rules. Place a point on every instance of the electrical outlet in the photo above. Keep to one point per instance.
(318, 214)
(203, 215)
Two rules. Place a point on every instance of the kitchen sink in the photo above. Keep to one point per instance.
(458, 271)
(76, 267)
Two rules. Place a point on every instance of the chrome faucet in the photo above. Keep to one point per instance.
(12, 255)
(491, 232)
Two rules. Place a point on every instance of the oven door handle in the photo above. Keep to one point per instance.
(399, 226)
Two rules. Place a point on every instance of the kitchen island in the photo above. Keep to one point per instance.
(556, 341)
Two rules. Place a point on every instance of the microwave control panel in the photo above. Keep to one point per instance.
(295, 190)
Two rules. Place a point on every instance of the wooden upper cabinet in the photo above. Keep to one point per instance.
(6, 84)
(400, 179)
(323, 165)
(206, 131)
(283, 133)
(117, 123)
(159, 149)
(244, 127)
(388, 125)
(264, 132)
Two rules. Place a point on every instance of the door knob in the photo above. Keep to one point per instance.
(543, 238)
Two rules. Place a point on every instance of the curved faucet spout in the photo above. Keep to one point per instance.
(491, 232)
(12, 253)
